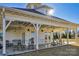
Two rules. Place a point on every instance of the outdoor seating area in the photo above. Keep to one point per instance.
(18, 45)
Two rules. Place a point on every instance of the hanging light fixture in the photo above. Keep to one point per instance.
(28, 29)
(42, 30)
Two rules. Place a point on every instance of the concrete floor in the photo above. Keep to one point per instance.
(67, 50)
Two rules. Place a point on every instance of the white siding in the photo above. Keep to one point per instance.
(41, 38)
(13, 35)
(27, 37)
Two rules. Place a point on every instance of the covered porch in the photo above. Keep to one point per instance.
(24, 32)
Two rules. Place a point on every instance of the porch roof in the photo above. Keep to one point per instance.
(34, 11)
(39, 14)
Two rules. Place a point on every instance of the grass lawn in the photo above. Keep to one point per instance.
(67, 50)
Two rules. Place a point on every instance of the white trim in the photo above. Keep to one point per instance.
(8, 24)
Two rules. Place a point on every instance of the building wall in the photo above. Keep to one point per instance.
(16, 35)
(41, 37)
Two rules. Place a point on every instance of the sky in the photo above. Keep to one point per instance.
(67, 11)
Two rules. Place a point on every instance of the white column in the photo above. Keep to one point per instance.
(58, 34)
(37, 27)
(48, 40)
(67, 36)
(51, 37)
(60, 38)
(76, 33)
(4, 30)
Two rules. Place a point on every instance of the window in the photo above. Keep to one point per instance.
(23, 37)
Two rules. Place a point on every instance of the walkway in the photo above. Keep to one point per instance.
(67, 50)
